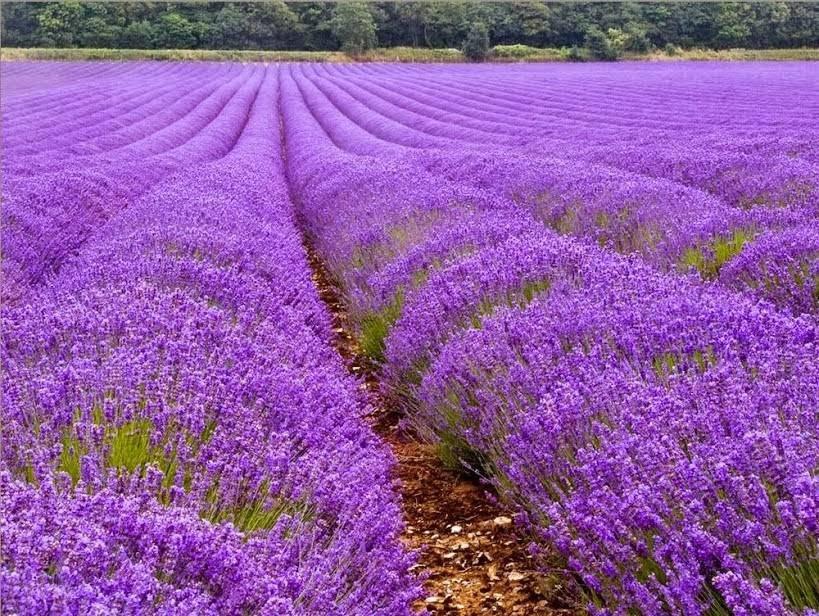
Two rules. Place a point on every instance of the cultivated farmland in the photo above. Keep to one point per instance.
(593, 287)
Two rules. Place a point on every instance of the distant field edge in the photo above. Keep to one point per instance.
(508, 53)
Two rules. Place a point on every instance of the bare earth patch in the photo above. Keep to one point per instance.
(476, 560)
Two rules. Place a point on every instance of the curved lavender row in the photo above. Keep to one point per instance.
(90, 133)
(694, 223)
(88, 140)
(439, 115)
(65, 97)
(67, 103)
(759, 186)
(462, 294)
(493, 100)
(790, 184)
(77, 202)
(38, 137)
(53, 75)
(672, 226)
(572, 94)
(565, 106)
(150, 78)
(334, 187)
(154, 134)
(627, 212)
(433, 128)
(183, 359)
(782, 267)
(653, 431)
(557, 123)
(349, 134)
(64, 110)
(611, 361)
(741, 178)
(490, 177)
(569, 113)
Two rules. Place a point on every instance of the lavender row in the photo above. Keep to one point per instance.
(178, 433)
(764, 111)
(49, 216)
(744, 170)
(658, 432)
(115, 126)
(559, 115)
(675, 226)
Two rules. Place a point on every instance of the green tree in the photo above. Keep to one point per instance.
(771, 24)
(138, 35)
(602, 45)
(528, 22)
(277, 24)
(636, 38)
(98, 32)
(734, 24)
(802, 26)
(407, 26)
(476, 44)
(59, 23)
(447, 24)
(18, 25)
(267, 25)
(354, 27)
(316, 23)
(175, 31)
(274, 26)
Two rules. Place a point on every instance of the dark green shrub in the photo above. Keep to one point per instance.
(637, 41)
(476, 44)
(573, 53)
(601, 46)
(671, 49)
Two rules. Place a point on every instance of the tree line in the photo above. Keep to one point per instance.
(606, 28)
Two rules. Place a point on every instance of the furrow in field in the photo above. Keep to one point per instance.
(436, 499)
(566, 145)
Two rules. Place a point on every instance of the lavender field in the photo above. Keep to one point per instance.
(594, 287)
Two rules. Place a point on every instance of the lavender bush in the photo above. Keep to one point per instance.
(178, 433)
(655, 429)
(595, 287)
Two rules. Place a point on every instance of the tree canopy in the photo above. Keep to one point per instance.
(275, 24)
(354, 27)
(476, 45)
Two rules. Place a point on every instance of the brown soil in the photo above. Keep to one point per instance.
(475, 559)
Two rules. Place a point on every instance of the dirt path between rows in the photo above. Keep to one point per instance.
(476, 560)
